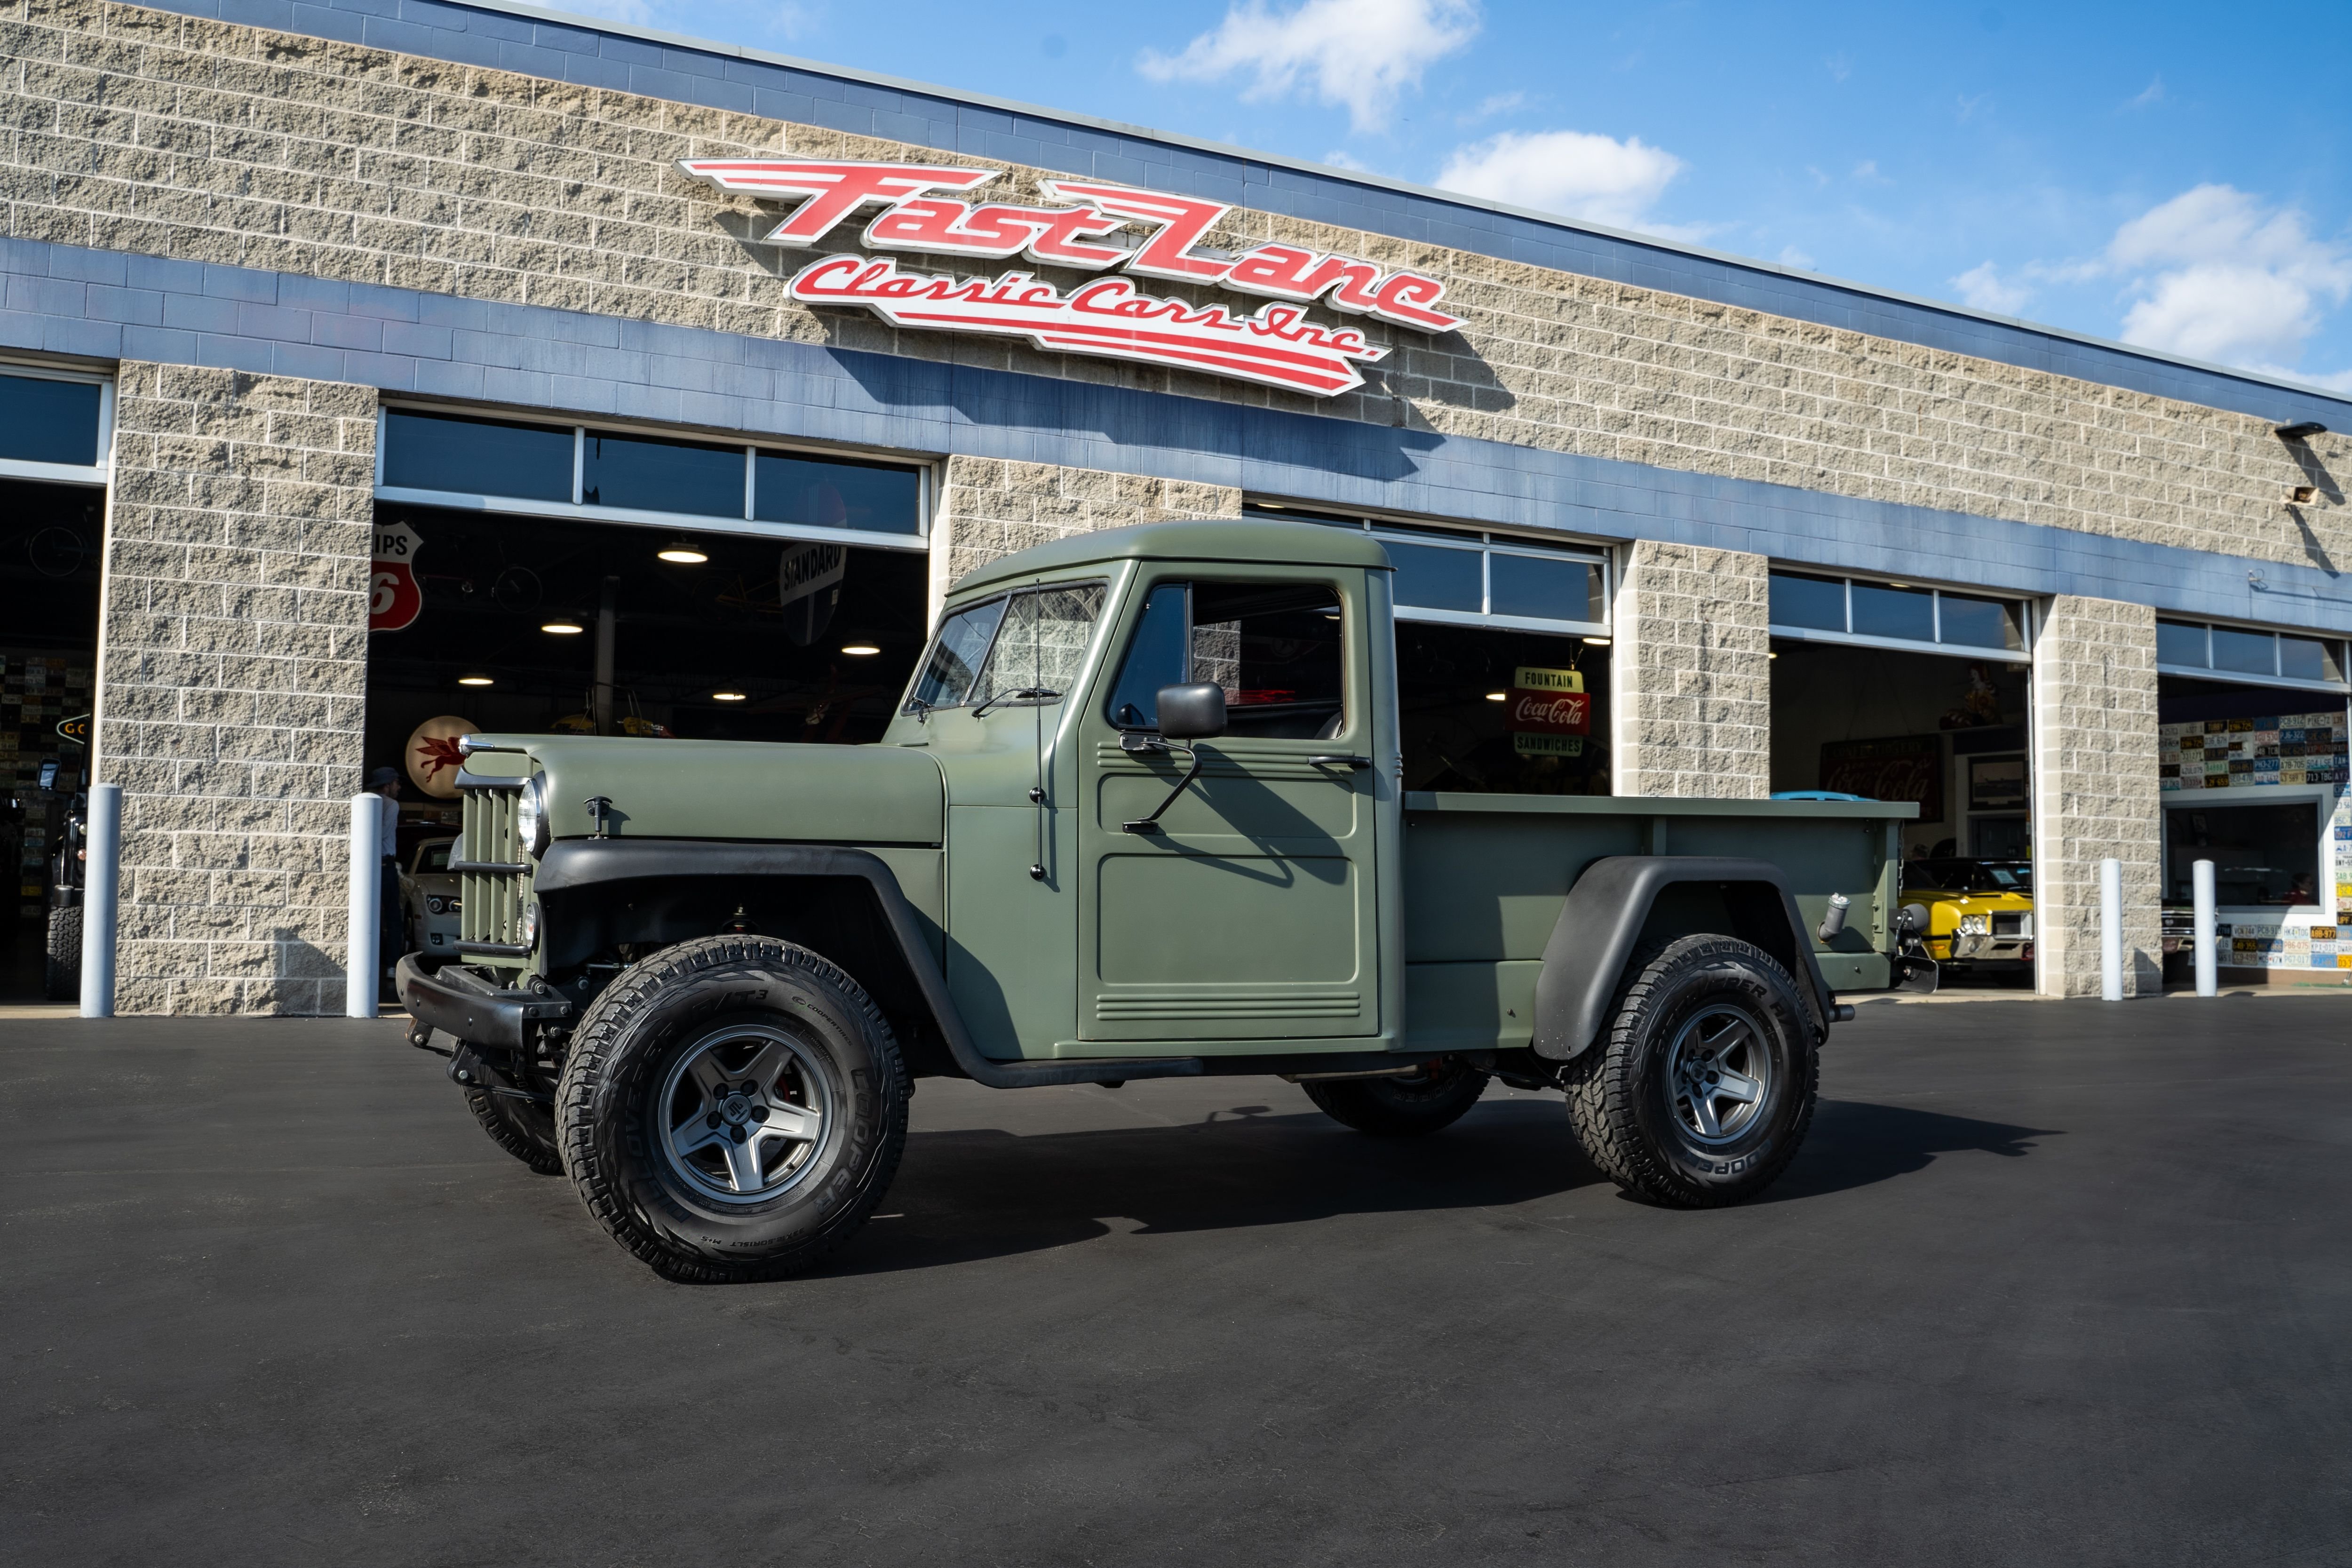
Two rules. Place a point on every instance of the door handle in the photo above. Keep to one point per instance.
(1337, 761)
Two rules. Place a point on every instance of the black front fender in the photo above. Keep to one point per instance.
(1608, 913)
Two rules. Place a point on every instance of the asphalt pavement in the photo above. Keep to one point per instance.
(2049, 1284)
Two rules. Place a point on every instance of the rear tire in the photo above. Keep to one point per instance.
(61, 964)
(732, 1108)
(1702, 1089)
(1401, 1107)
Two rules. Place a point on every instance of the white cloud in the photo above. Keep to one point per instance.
(2153, 94)
(1983, 288)
(2221, 277)
(1575, 173)
(1340, 158)
(1489, 107)
(1359, 53)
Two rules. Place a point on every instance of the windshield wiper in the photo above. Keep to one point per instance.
(1028, 696)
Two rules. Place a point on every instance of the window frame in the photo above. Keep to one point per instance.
(2241, 678)
(98, 472)
(2027, 629)
(906, 707)
(2320, 798)
(1487, 543)
(746, 523)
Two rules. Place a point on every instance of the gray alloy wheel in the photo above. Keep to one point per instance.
(1721, 1073)
(745, 1113)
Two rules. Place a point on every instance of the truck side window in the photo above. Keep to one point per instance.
(1042, 642)
(1273, 646)
(948, 673)
(1154, 659)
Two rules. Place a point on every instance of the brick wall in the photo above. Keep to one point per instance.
(139, 131)
(989, 507)
(232, 682)
(1690, 673)
(2095, 721)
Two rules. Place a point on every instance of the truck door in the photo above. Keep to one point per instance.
(1252, 914)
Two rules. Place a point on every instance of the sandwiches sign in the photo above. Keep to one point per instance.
(1274, 345)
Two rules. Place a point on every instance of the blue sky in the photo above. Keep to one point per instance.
(2175, 175)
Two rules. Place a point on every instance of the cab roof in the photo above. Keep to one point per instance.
(1266, 541)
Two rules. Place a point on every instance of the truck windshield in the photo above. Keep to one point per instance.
(1032, 641)
(1042, 642)
(957, 653)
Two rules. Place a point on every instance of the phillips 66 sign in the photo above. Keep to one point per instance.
(394, 597)
(1274, 345)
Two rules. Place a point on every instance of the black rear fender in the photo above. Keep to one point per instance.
(1625, 904)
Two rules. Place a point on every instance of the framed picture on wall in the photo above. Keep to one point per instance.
(1996, 784)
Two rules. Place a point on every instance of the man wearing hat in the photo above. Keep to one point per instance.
(391, 941)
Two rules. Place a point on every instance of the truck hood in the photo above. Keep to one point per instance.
(731, 789)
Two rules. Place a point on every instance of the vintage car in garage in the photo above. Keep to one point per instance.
(1979, 913)
(429, 902)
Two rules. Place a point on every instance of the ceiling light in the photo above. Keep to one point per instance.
(679, 553)
(1498, 696)
(2303, 431)
(726, 696)
(1771, 656)
(564, 628)
(859, 650)
(474, 681)
(1597, 642)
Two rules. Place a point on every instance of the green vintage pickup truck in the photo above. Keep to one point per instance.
(1139, 816)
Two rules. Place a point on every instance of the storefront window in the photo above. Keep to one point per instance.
(1434, 578)
(477, 457)
(661, 476)
(2245, 653)
(2262, 855)
(1542, 586)
(1887, 612)
(2193, 645)
(502, 465)
(50, 421)
(876, 497)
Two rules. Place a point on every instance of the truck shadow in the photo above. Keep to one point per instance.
(963, 1196)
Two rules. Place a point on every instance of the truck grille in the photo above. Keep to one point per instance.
(492, 902)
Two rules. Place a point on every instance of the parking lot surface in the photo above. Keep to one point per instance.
(2049, 1284)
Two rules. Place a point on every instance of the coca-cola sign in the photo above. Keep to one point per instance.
(1547, 713)
(1275, 344)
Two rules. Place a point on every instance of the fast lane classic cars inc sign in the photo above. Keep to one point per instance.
(1275, 344)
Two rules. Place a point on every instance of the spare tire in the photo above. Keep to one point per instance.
(1436, 1097)
(1702, 1086)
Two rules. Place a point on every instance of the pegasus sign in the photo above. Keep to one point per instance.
(1273, 345)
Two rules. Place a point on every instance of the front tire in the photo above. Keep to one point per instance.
(732, 1108)
(1703, 1086)
(1437, 1097)
(523, 1128)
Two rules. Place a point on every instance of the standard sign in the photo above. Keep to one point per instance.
(1275, 344)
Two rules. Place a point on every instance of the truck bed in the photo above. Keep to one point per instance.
(1485, 875)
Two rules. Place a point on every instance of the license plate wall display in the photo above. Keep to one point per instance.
(2278, 749)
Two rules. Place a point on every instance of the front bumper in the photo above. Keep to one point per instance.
(461, 1003)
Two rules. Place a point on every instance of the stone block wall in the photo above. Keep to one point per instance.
(232, 682)
(1690, 673)
(989, 507)
(144, 132)
(2095, 719)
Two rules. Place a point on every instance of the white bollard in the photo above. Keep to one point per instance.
(2111, 930)
(101, 842)
(2201, 923)
(366, 939)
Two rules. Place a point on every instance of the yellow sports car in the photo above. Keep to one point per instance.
(1979, 912)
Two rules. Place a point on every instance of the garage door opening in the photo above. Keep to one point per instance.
(572, 590)
(2251, 764)
(53, 441)
(1891, 692)
(1502, 646)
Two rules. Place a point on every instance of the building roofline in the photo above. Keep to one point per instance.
(1381, 181)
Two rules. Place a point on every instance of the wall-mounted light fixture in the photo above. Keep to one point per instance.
(2302, 431)
(2302, 495)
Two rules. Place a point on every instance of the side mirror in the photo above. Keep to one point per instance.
(1191, 712)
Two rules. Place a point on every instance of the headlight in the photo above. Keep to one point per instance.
(530, 815)
(1976, 925)
(529, 929)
